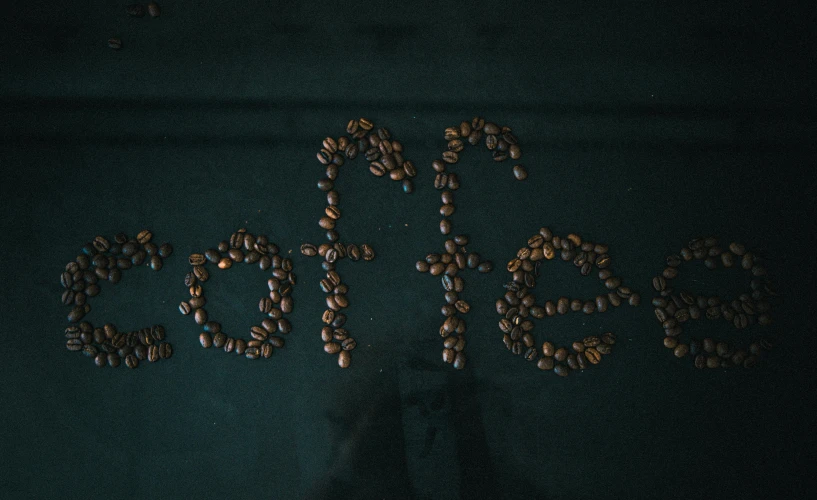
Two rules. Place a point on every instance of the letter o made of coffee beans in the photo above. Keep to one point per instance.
(249, 249)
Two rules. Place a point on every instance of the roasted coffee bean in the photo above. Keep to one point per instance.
(131, 361)
(196, 259)
(165, 350)
(450, 157)
(737, 249)
(200, 316)
(205, 340)
(219, 340)
(520, 173)
(344, 359)
(723, 349)
(545, 363)
(113, 359)
(367, 252)
(659, 283)
(485, 267)
(593, 355)
(153, 9)
(153, 354)
(531, 354)
(229, 346)
(561, 370)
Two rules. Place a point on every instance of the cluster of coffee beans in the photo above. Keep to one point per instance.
(498, 139)
(136, 10)
(336, 339)
(448, 264)
(250, 249)
(106, 345)
(102, 260)
(673, 310)
(519, 303)
(384, 154)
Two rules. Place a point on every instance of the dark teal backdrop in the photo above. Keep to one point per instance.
(642, 124)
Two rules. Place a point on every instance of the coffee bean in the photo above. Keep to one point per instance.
(459, 361)
(113, 359)
(659, 283)
(76, 314)
(155, 263)
(165, 350)
(681, 350)
(367, 252)
(562, 305)
(737, 249)
(196, 259)
(331, 348)
(141, 352)
(520, 173)
(593, 355)
(200, 316)
(219, 339)
(485, 267)
(205, 340)
(131, 361)
(165, 250)
(115, 43)
(531, 354)
(344, 359)
(154, 10)
(545, 363)
(450, 157)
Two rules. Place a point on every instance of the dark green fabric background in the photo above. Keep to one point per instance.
(642, 125)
